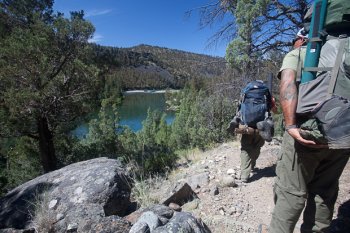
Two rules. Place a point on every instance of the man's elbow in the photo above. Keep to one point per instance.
(288, 75)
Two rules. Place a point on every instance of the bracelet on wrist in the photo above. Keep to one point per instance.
(288, 127)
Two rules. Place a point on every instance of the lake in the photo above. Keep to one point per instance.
(134, 110)
(135, 105)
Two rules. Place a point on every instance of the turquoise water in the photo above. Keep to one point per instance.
(134, 110)
(135, 105)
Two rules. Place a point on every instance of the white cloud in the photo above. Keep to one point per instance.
(97, 12)
(96, 38)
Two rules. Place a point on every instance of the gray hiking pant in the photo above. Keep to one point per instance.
(306, 175)
(250, 150)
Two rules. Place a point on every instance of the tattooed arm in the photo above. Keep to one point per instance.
(289, 99)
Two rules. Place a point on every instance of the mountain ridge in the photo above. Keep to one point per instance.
(159, 67)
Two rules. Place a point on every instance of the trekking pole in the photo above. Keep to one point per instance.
(315, 43)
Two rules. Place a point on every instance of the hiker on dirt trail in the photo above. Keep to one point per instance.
(306, 172)
(250, 150)
(254, 121)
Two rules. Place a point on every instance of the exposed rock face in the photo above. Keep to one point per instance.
(81, 193)
(198, 180)
(181, 194)
(113, 224)
(162, 219)
(183, 222)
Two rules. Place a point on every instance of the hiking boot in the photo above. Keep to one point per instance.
(241, 181)
(253, 173)
(262, 228)
(266, 129)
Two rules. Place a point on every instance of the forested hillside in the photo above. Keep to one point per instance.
(151, 67)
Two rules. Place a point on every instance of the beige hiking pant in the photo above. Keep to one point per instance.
(306, 175)
(250, 150)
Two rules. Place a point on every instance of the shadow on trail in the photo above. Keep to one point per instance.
(265, 172)
(342, 223)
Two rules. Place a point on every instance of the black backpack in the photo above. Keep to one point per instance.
(255, 103)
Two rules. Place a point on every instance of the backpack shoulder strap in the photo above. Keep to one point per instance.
(335, 69)
(299, 68)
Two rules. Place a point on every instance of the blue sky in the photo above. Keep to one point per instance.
(127, 23)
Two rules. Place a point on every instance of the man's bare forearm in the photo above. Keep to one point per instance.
(288, 96)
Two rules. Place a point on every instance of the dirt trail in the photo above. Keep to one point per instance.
(241, 208)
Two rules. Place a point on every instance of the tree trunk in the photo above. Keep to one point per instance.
(47, 150)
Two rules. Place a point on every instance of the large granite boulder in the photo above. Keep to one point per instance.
(72, 198)
(162, 219)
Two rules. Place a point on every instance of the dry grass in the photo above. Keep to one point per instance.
(192, 155)
(43, 218)
(144, 190)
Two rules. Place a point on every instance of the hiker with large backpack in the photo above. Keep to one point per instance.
(253, 120)
(313, 155)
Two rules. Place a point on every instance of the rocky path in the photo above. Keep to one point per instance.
(240, 208)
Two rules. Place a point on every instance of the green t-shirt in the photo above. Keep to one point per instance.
(292, 59)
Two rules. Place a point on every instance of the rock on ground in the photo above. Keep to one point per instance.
(241, 207)
(65, 199)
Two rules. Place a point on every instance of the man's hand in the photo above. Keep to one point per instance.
(288, 99)
(273, 105)
(295, 133)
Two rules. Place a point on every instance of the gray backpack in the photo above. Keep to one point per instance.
(326, 98)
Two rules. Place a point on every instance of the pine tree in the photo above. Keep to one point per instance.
(45, 84)
(163, 133)
(103, 136)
